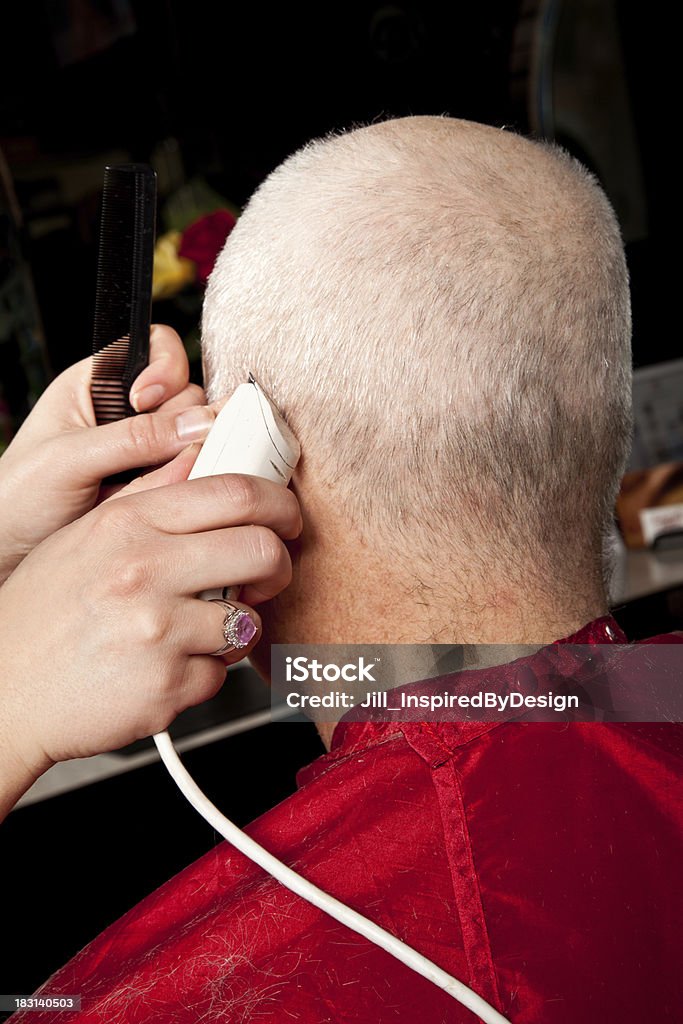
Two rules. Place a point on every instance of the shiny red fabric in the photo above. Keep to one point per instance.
(539, 863)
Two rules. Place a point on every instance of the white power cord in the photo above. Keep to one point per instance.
(250, 436)
(322, 900)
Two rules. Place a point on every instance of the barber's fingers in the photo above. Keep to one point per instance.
(210, 503)
(179, 468)
(201, 622)
(145, 440)
(166, 374)
(67, 403)
(203, 678)
(239, 555)
(198, 632)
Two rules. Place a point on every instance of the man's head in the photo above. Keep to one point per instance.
(441, 311)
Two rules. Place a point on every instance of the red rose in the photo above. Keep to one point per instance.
(204, 239)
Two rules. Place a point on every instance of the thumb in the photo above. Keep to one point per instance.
(135, 442)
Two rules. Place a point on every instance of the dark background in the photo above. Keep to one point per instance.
(230, 91)
(237, 88)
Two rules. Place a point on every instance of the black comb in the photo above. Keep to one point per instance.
(123, 300)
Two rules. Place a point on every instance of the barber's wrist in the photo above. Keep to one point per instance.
(22, 760)
(16, 774)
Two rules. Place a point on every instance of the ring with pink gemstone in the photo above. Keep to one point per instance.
(238, 628)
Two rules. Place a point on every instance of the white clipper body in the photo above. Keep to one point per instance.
(249, 436)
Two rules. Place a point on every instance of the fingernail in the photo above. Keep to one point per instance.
(193, 424)
(147, 398)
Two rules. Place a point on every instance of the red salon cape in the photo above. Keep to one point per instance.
(540, 863)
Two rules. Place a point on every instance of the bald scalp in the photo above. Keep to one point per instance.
(441, 310)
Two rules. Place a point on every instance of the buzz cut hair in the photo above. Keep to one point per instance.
(441, 310)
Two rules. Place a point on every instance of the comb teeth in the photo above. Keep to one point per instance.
(124, 287)
(109, 394)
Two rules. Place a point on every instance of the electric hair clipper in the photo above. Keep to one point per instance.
(249, 436)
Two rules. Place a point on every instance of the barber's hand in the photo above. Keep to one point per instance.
(103, 638)
(51, 472)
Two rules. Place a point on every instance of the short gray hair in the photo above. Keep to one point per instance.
(441, 310)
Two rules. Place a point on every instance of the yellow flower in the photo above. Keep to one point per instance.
(171, 271)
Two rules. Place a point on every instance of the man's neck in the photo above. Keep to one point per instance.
(350, 586)
(367, 602)
(350, 595)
